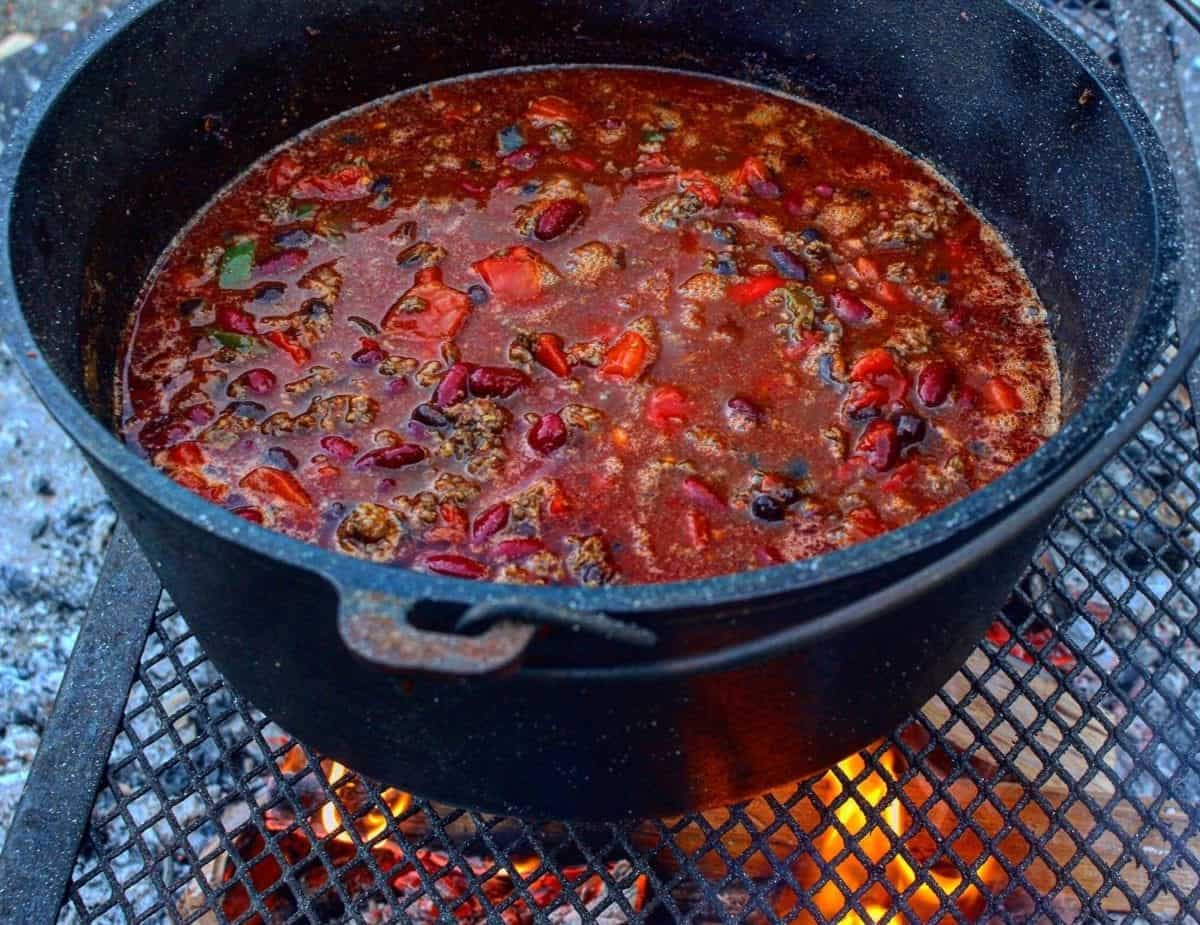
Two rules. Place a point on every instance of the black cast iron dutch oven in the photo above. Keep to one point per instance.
(685, 695)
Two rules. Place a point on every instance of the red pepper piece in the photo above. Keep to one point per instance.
(490, 522)
(339, 447)
(519, 548)
(755, 288)
(455, 566)
(235, 319)
(698, 182)
(548, 351)
(626, 357)
(443, 314)
(548, 434)
(352, 182)
(879, 445)
(298, 352)
(514, 274)
(455, 518)
(198, 485)
(391, 457)
(698, 528)
(702, 494)
(548, 109)
(1000, 395)
(277, 486)
(252, 514)
(667, 406)
(866, 522)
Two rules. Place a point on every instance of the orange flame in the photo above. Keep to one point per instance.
(940, 888)
(349, 792)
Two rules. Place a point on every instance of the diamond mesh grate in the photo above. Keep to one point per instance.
(1055, 778)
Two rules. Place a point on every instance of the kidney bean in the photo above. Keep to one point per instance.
(456, 566)
(496, 381)
(557, 219)
(744, 410)
(519, 548)
(339, 447)
(258, 381)
(369, 353)
(524, 158)
(934, 382)
(848, 307)
(391, 457)
(768, 508)
(234, 319)
(548, 434)
(453, 387)
(701, 494)
(490, 522)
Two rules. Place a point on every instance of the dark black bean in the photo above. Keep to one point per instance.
(789, 263)
(910, 429)
(280, 458)
(766, 507)
(810, 235)
(189, 307)
(825, 371)
(531, 187)
(247, 409)
(726, 265)
(381, 185)
(726, 234)
(297, 237)
(429, 415)
(942, 278)
(364, 325)
(269, 292)
(351, 138)
(477, 293)
(863, 413)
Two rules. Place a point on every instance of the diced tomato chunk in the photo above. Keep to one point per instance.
(755, 288)
(514, 274)
(298, 352)
(277, 486)
(442, 315)
(1000, 395)
(548, 351)
(875, 362)
(197, 484)
(699, 183)
(626, 357)
(753, 170)
(283, 172)
(352, 182)
(879, 445)
(888, 292)
(667, 406)
(185, 455)
(866, 522)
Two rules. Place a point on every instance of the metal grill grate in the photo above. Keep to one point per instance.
(1055, 778)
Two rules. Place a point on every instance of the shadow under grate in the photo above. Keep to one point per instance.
(1055, 778)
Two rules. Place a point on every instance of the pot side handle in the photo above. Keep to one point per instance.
(375, 627)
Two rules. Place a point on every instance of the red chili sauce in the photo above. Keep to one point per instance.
(587, 326)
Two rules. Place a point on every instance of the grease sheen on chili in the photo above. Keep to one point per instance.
(588, 325)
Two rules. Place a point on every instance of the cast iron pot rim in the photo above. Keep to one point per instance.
(724, 595)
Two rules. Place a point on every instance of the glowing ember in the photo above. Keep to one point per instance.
(351, 794)
(872, 815)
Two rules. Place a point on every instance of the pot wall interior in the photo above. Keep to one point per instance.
(189, 95)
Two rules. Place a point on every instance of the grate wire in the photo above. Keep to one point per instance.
(1055, 778)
